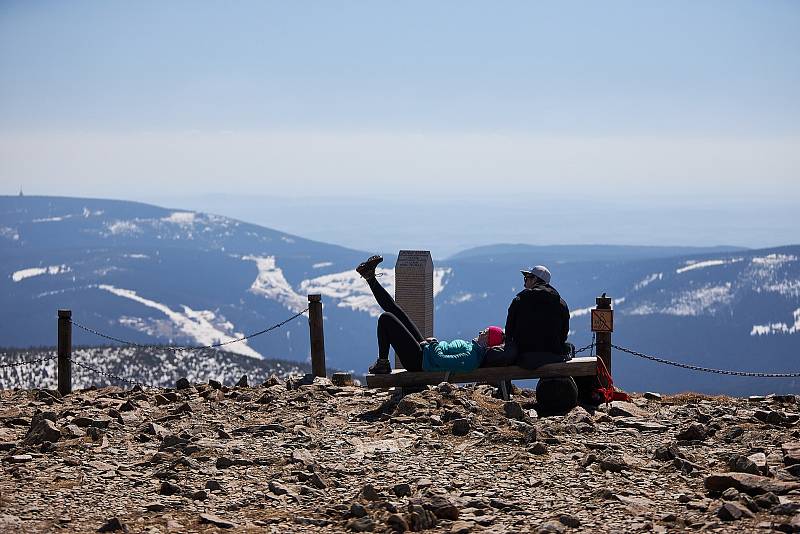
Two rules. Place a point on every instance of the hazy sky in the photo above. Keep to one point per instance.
(596, 99)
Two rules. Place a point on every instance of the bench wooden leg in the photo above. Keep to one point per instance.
(504, 390)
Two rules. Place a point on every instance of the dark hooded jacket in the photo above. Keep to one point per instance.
(538, 320)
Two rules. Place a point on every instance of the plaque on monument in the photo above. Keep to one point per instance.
(413, 291)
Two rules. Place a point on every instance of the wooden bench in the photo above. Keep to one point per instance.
(585, 366)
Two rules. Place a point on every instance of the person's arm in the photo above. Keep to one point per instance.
(564, 321)
(511, 318)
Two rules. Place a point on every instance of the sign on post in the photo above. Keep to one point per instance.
(414, 289)
(602, 320)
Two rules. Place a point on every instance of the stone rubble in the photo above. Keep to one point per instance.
(308, 455)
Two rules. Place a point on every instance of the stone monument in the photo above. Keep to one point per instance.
(413, 290)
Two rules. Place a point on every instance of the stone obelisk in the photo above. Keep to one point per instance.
(414, 289)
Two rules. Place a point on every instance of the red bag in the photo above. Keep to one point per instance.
(606, 393)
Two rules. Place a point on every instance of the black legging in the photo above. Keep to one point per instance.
(395, 329)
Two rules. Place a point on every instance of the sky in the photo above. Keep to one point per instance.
(653, 104)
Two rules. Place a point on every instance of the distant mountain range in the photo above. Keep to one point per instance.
(154, 275)
(577, 253)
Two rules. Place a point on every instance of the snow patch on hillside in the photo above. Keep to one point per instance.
(123, 228)
(22, 274)
(182, 218)
(440, 279)
(272, 284)
(773, 259)
(88, 213)
(85, 213)
(203, 326)
(462, 297)
(51, 219)
(778, 328)
(691, 265)
(322, 264)
(771, 274)
(646, 281)
(349, 290)
(9, 233)
(694, 302)
(346, 288)
(786, 288)
(585, 311)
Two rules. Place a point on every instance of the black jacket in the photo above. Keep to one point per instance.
(538, 320)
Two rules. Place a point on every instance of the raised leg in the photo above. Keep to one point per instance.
(387, 304)
(393, 333)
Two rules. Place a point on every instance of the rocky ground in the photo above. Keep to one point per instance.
(315, 457)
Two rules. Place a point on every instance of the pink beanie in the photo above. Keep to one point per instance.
(495, 336)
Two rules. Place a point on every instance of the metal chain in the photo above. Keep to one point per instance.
(109, 375)
(179, 348)
(587, 347)
(27, 362)
(706, 369)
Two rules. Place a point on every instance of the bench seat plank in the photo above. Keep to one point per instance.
(585, 366)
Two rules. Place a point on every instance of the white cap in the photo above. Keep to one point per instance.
(539, 271)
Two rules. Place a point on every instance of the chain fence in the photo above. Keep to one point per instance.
(109, 375)
(704, 369)
(173, 348)
(27, 362)
(178, 348)
(587, 347)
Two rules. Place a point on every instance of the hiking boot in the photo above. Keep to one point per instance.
(381, 367)
(367, 269)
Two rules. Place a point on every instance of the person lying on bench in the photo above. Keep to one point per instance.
(416, 353)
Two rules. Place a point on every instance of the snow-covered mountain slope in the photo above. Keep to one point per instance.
(155, 275)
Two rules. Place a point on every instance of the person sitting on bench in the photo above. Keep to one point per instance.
(537, 324)
(416, 353)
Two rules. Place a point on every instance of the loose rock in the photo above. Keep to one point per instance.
(693, 432)
(113, 525)
(460, 427)
(182, 383)
(751, 484)
(216, 521)
(42, 431)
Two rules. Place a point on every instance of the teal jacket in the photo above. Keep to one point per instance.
(457, 355)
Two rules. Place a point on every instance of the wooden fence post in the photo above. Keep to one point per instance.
(317, 335)
(603, 325)
(64, 351)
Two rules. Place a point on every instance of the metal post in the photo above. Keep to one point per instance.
(64, 351)
(317, 335)
(604, 331)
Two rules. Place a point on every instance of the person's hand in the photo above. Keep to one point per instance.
(431, 340)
